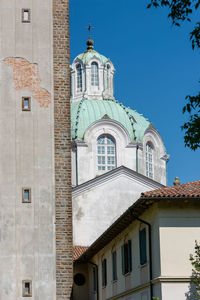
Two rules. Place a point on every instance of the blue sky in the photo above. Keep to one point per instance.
(155, 67)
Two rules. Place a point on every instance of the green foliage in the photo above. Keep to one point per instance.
(180, 11)
(195, 261)
(155, 298)
(192, 127)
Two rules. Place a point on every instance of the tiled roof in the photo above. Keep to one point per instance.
(78, 251)
(190, 189)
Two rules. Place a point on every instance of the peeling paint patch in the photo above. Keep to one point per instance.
(26, 76)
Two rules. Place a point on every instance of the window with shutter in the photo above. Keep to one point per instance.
(104, 273)
(143, 251)
(95, 279)
(114, 265)
(126, 257)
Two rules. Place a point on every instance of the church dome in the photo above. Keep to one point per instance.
(86, 112)
(86, 56)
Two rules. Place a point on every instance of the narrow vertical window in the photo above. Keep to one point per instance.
(79, 78)
(106, 153)
(149, 160)
(143, 246)
(108, 77)
(26, 103)
(95, 278)
(26, 195)
(126, 250)
(26, 288)
(26, 15)
(104, 273)
(114, 265)
(94, 74)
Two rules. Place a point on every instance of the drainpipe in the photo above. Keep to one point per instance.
(76, 164)
(150, 252)
(96, 266)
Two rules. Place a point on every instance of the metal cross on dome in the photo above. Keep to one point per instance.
(90, 27)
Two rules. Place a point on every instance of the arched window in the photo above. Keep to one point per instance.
(108, 76)
(79, 78)
(149, 160)
(94, 74)
(106, 153)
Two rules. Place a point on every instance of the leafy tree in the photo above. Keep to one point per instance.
(180, 11)
(195, 261)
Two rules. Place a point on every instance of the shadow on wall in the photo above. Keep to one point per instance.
(192, 294)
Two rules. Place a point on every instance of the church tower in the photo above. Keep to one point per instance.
(35, 158)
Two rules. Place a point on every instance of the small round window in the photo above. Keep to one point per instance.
(79, 279)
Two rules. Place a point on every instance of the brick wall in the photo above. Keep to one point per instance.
(64, 270)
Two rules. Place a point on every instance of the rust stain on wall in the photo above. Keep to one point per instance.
(26, 76)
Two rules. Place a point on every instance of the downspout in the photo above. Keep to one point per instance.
(96, 266)
(76, 164)
(150, 252)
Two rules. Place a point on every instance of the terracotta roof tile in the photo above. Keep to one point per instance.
(190, 189)
(78, 251)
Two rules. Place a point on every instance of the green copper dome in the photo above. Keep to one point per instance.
(86, 112)
(89, 54)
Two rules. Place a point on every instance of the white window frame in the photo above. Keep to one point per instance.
(79, 78)
(94, 74)
(149, 160)
(106, 153)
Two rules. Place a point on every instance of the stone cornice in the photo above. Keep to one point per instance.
(114, 174)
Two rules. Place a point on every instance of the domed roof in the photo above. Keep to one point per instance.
(89, 54)
(86, 112)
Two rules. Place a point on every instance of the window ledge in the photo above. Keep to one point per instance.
(114, 281)
(143, 266)
(127, 274)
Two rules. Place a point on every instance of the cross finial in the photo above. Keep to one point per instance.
(90, 27)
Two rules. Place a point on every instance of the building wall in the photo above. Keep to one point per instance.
(97, 206)
(175, 228)
(27, 65)
(130, 155)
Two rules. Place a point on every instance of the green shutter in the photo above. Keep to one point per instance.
(122, 254)
(94, 279)
(105, 271)
(114, 265)
(129, 256)
(143, 250)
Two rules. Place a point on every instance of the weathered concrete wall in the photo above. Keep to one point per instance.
(27, 248)
(28, 68)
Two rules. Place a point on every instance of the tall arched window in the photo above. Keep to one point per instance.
(108, 76)
(149, 160)
(79, 78)
(106, 153)
(94, 74)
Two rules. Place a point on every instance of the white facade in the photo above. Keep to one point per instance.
(92, 76)
(99, 202)
(175, 225)
(106, 135)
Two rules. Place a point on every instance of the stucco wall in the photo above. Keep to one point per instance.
(97, 206)
(27, 248)
(175, 225)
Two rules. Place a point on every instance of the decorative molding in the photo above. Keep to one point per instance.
(131, 291)
(104, 178)
(171, 279)
(154, 281)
